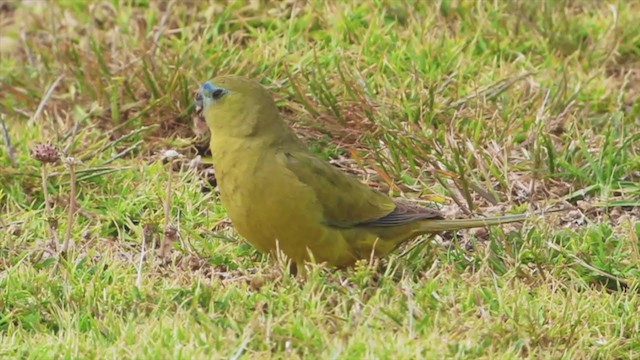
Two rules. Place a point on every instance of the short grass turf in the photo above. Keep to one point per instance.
(475, 107)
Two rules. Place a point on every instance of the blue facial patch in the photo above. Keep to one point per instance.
(210, 93)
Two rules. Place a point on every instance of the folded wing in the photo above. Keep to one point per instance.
(345, 201)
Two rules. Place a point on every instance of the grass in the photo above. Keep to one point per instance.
(478, 107)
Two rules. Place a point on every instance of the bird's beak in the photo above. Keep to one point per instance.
(199, 101)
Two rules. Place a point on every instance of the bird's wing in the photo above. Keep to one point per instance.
(345, 201)
(404, 213)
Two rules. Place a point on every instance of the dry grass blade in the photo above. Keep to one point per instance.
(45, 99)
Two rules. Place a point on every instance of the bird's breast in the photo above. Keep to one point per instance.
(243, 180)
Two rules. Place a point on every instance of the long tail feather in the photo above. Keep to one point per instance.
(432, 226)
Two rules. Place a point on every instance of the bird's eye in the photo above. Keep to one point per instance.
(217, 93)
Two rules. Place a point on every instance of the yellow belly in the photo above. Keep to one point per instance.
(274, 211)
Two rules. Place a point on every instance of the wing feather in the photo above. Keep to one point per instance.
(345, 201)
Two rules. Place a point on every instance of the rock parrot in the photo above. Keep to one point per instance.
(281, 197)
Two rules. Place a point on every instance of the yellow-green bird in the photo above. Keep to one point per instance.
(281, 197)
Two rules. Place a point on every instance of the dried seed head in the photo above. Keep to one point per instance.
(170, 154)
(14, 229)
(53, 222)
(195, 162)
(171, 233)
(46, 153)
(71, 161)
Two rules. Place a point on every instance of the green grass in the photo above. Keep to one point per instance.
(476, 106)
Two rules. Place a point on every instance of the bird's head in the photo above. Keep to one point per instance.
(236, 106)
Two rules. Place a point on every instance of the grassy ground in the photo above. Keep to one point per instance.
(475, 107)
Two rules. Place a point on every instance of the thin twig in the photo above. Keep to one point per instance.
(161, 27)
(122, 153)
(436, 174)
(538, 123)
(170, 231)
(489, 91)
(71, 162)
(119, 140)
(587, 265)
(47, 154)
(44, 101)
(51, 223)
(142, 254)
(7, 140)
(45, 191)
(167, 202)
(167, 218)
